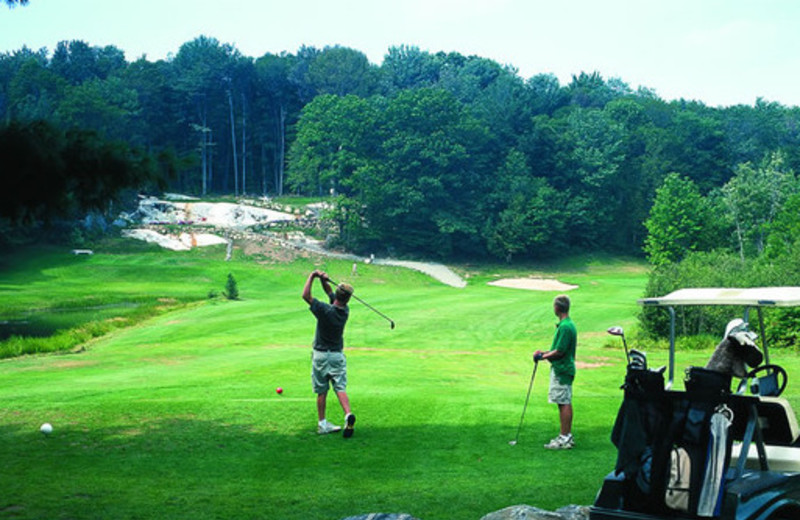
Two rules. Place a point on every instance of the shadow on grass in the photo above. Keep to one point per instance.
(46, 322)
(191, 468)
(27, 265)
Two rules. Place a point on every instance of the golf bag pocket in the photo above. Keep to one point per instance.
(696, 426)
(702, 382)
(645, 472)
(679, 483)
(640, 382)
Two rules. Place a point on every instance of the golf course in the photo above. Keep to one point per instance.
(174, 413)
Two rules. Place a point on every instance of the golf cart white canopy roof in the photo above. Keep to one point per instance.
(755, 297)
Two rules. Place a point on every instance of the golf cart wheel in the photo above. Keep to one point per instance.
(779, 372)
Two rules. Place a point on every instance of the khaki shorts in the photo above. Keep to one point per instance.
(328, 368)
(559, 394)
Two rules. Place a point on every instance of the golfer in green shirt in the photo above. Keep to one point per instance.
(562, 371)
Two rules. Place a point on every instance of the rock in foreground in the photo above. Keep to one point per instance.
(382, 516)
(519, 512)
(523, 512)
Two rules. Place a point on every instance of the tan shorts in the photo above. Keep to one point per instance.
(328, 368)
(558, 394)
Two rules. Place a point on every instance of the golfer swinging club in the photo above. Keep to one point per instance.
(562, 371)
(329, 365)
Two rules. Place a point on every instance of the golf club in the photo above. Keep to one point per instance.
(514, 442)
(617, 331)
(370, 307)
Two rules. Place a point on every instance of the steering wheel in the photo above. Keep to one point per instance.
(772, 370)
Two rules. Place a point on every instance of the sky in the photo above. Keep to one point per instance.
(720, 52)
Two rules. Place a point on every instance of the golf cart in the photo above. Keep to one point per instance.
(707, 451)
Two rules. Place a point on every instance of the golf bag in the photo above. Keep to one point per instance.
(664, 442)
(642, 415)
(710, 384)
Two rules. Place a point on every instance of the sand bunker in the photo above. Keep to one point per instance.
(533, 284)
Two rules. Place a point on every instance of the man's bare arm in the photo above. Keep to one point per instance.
(326, 286)
(307, 287)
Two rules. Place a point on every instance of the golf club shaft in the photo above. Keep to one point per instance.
(530, 385)
(625, 344)
(370, 307)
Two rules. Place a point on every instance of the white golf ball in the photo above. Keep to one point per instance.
(46, 428)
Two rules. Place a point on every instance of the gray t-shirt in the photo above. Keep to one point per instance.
(330, 324)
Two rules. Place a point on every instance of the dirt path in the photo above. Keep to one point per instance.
(438, 271)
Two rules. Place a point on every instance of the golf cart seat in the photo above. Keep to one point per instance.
(777, 420)
(781, 458)
(776, 417)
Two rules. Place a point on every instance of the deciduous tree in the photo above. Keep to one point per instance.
(676, 221)
(754, 196)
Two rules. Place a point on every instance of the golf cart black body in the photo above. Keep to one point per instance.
(738, 451)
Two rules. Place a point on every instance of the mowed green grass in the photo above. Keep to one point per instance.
(177, 417)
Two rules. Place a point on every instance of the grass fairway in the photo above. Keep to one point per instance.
(177, 416)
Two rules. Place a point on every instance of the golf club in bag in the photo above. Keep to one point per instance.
(617, 331)
(370, 307)
(530, 385)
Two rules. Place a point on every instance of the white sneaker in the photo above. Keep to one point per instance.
(324, 427)
(562, 442)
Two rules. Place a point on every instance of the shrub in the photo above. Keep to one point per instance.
(698, 342)
(714, 269)
(724, 269)
(231, 288)
(783, 327)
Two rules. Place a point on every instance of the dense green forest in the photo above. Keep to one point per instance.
(435, 154)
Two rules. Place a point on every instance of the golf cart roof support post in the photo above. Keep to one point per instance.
(671, 347)
(761, 330)
(763, 335)
(752, 435)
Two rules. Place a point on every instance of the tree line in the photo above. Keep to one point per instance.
(435, 154)
(745, 233)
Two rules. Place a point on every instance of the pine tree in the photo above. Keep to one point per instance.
(231, 288)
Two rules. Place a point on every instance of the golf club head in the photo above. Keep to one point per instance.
(616, 331)
(512, 443)
(637, 360)
(391, 325)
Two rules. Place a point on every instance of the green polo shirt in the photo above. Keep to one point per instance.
(565, 341)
